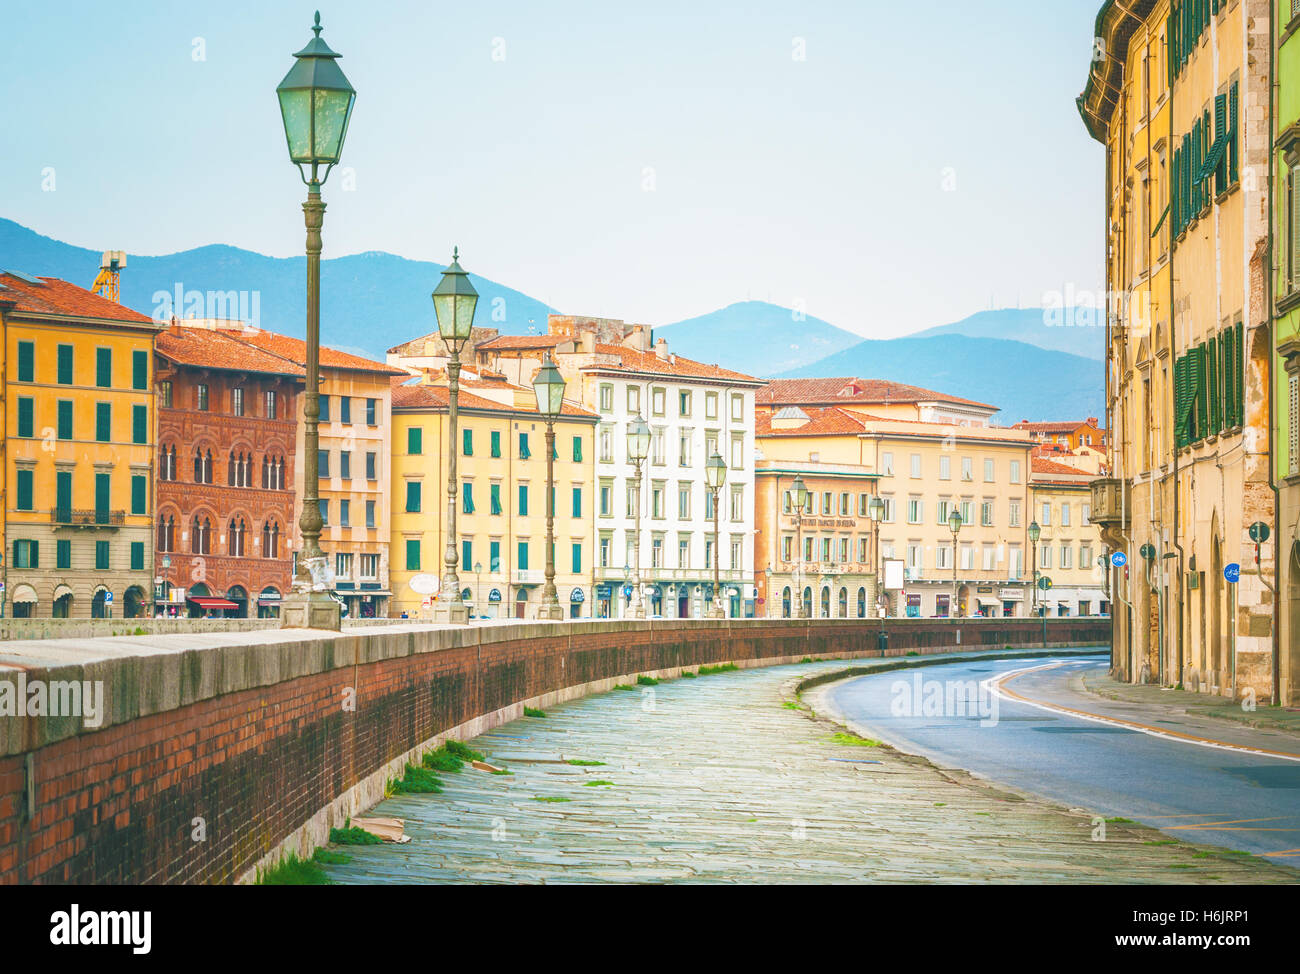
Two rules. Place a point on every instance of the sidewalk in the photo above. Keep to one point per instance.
(1182, 702)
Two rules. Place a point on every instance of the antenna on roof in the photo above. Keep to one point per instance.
(107, 281)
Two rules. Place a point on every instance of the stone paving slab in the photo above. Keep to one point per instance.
(716, 780)
(1158, 698)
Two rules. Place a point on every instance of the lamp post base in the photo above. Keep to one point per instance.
(310, 610)
(451, 613)
(552, 613)
(717, 612)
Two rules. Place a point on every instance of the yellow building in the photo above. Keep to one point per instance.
(1177, 96)
(500, 497)
(79, 443)
(1070, 551)
(923, 471)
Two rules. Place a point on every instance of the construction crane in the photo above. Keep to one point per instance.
(107, 282)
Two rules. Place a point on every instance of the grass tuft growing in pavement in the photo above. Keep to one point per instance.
(579, 763)
(551, 798)
(352, 835)
(647, 681)
(417, 781)
(292, 871)
(853, 740)
(597, 783)
(790, 705)
(328, 857)
(689, 674)
(533, 712)
(623, 686)
(720, 668)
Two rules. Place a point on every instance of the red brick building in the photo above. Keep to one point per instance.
(227, 415)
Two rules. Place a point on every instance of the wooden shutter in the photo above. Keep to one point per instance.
(1214, 423)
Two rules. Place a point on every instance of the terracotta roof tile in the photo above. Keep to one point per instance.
(50, 295)
(295, 349)
(821, 422)
(1044, 466)
(523, 342)
(817, 392)
(417, 395)
(205, 348)
(630, 360)
(1063, 427)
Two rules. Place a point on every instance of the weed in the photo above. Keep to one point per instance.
(417, 781)
(623, 686)
(551, 798)
(292, 871)
(689, 674)
(352, 835)
(853, 740)
(533, 712)
(597, 783)
(327, 857)
(790, 705)
(579, 763)
(647, 681)
(720, 668)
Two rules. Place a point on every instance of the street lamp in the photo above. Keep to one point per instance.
(478, 587)
(548, 385)
(1035, 532)
(876, 508)
(638, 448)
(453, 303)
(954, 525)
(799, 493)
(315, 105)
(715, 474)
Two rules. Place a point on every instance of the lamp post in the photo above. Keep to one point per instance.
(478, 586)
(1035, 532)
(715, 474)
(548, 385)
(799, 494)
(453, 304)
(876, 508)
(954, 525)
(638, 448)
(315, 104)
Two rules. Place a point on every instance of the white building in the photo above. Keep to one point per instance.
(693, 410)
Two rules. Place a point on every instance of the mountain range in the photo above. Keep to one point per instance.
(1007, 357)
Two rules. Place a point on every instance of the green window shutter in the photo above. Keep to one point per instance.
(496, 443)
(102, 496)
(139, 495)
(104, 367)
(63, 494)
(63, 553)
(494, 495)
(101, 555)
(65, 365)
(1226, 379)
(25, 490)
(577, 558)
(577, 449)
(467, 438)
(1175, 188)
(466, 554)
(524, 453)
(415, 440)
(137, 556)
(26, 416)
(467, 497)
(523, 556)
(1195, 161)
(577, 502)
(65, 419)
(139, 369)
(103, 421)
(1218, 160)
(1202, 400)
(412, 496)
(26, 362)
(1233, 140)
(35, 548)
(1212, 388)
(523, 500)
(1178, 403)
(139, 424)
(412, 555)
(1239, 387)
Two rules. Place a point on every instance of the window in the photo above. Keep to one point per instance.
(140, 369)
(524, 452)
(826, 503)
(101, 556)
(1067, 556)
(787, 548)
(26, 361)
(467, 497)
(1013, 512)
(684, 402)
(370, 514)
(323, 464)
(945, 468)
(523, 500)
(139, 424)
(270, 540)
(683, 551)
(577, 502)
(201, 397)
(737, 408)
(345, 409)
(103, 422)
(104, 367)
(1015, 471)
(324, 408)
(466, 553)
(916, 466)
(24, 499)
(343, 565)
(634, 399)
(943, 556)
(657, 396)
(272, 405)
(710, 405)
(412, 496)
(494, 498)
(27, 554)
(372, 466)
(467, 442)
(1047, 514)
(412, 555)
(521, 558)
(967, 471)
(737, 451)
(577, 558)
(1045, 556)
(737, 502)
(65, 366)
(139, 494)
(844, 505)
(736, 550)
(887, 464)
(633, 501)
(345, 513)
(371, 412)
(986, 514)
(1065, 515)
(658, 455)
(1086, 517)
(606, 499)
(915, 510)
(577, 449)
(63, 552)
(683, 502)
(890, 512)
(1085, 556)
(27, 416)
(415, 440)
(606, 398)
(324, 512)
(165, 394)
(657, 500)
(236, 402)
(684, 448)
(988, 471)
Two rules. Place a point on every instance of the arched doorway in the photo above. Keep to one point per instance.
(24, 599)
(521, 603)
(268, 603)
(239, 595)
(101, 604)
(826, 602)
(62, 602)
(133, 602)
(862, 603)
(807, 601)
(785, 602)
(200, 590)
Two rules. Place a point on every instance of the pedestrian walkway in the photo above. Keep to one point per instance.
(722, 778)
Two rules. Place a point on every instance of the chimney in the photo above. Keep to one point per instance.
(587, 342)
(661, 349)
(1092, 421)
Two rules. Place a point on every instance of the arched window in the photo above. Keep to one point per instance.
(844, 603)
(270, 540)
(785, 603)
(862, 603)
(266, 471)
(166, 533)
(201, 536)
(826, 602)
(235, 537)
(807, 600)
(202, 466)
(167, 463)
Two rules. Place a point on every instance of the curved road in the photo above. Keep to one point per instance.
(984, 724)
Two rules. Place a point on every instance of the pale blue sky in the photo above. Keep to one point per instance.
(818, 181)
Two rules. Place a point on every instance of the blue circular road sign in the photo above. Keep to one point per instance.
(1119, 559)
(1232, 572)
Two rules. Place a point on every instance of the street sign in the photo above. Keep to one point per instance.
(1119, 559)
(627, 591)
(1232, 572)
(108, 597)
(1044, 583)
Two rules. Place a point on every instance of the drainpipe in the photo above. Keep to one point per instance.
(1272, 356)
(1173, 352)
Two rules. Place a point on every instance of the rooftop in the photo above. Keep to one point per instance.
(631, 360)
(295, 350)
(52, 296)
(851, 389)
(203, 348)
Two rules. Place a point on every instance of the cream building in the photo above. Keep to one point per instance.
(1070, 550)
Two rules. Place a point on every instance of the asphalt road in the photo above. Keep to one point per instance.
(1195, 793)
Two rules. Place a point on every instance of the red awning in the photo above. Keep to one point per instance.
(206, 603)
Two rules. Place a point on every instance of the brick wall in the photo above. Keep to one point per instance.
(247, 731)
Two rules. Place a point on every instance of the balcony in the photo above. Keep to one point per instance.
(528, 576)
(68, 517)
(1108, 511)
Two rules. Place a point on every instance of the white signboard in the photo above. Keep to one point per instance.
(424, 584)
(893, 574)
